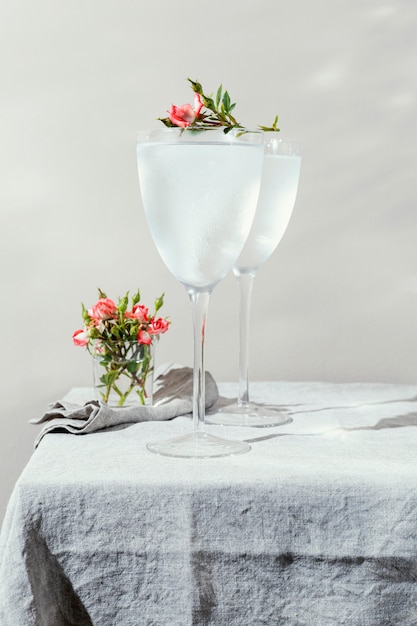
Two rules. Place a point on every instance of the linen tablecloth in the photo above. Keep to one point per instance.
(315, 526)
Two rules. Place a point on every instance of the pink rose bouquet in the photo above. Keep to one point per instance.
(120, 337)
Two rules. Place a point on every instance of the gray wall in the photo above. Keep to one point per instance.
(337, 301)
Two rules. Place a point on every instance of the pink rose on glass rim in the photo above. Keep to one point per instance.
(185, 115)
(158, 326)
(80, 337)
(139, 312)
(104, 309)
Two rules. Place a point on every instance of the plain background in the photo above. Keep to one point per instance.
(336, 302)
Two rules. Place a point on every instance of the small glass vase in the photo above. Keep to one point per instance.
(123, 372)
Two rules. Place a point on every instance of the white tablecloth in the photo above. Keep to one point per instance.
(315, 526)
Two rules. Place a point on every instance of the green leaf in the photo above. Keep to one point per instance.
(219, 95)
(167, 122)
(226, 101)
(209, 103)
(101, 293)
(109, 378)
(115, 332)
(133, 366)
(105, 359)
(94, 333)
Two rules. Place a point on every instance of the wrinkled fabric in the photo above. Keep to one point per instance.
(315, 526)
(82, 415)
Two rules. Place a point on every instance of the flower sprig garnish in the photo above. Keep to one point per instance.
(208, 112)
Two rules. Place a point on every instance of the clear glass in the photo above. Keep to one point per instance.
(123, 372)
(199, 191)
(281, 171)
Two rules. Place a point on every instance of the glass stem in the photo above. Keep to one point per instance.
(200, 302)
(245, 282)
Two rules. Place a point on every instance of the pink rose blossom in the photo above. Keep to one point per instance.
(185, 115)
(158, 326)
(104, 309)
(80, 337)
(144, 337)
(139, 312)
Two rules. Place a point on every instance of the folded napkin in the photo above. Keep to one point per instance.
(173, 390)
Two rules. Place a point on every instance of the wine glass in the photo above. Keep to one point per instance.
(279, 185)
(199, 191)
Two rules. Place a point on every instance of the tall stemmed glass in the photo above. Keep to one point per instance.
(199, 191)
(279, 186)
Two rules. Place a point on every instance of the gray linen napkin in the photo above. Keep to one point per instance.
(172, 397)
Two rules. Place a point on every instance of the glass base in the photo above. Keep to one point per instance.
(198, 445)
(250, 414)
